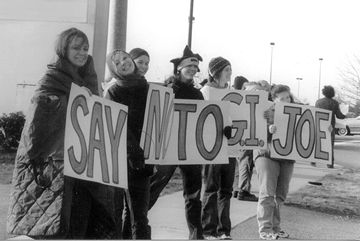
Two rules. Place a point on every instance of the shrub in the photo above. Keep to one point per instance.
(11, 126)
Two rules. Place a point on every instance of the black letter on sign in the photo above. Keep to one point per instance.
(287, 149)
(305, 117)
(161, 123)
(97, 123)
(319, 154)
(115, 139)
(252, 100)
(219, 122)
(183, 109)
(239, 125)
(78, 167)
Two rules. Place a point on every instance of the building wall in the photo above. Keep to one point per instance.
(28, 32)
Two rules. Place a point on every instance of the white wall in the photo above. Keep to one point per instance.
(28, 32)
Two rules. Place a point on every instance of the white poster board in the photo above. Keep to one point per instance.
(183, 132)
(157, 122)
(302, 133)
(247, 116)
(95, 139)
(197, 133)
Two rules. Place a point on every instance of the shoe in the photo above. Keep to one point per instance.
(268, 236)
(282, 234)
(235, 194)
(330, 165)
(246, 196)
(210, 237)
(225, 237)
(313, 164)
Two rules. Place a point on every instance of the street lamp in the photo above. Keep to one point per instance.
(271, 58)
(320, 60)
(191, 19)
(298, 79)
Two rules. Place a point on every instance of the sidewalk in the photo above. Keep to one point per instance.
(167, 217)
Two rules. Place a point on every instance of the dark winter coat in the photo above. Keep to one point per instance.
(38, 181)
(333, 106)
(184, 90)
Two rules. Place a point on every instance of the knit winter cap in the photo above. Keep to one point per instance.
(137, 52)
(216, 65)
(188, 58)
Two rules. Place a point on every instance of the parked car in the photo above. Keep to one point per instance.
(348, 126)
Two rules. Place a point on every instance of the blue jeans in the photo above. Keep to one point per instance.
(215, 216)
(246, 166)
(274, 178)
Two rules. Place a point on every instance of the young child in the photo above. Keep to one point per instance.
(274, 176)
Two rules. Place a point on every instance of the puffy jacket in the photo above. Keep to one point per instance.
(38, 182)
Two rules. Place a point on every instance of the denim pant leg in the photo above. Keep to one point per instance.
(267, 172)
(227, 172)
(245, 171)
(286, 171)
(192, 182)
(209, 215)
(159, 180)
(138, 204)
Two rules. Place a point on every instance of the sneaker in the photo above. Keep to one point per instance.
(235, 194)
(330, 166)
(282, 234)
(225, 237)
(268, 236)
(210, 237)
(246, 196)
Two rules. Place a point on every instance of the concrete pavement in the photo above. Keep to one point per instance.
(167, 217)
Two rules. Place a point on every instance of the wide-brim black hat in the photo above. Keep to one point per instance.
(187, 53)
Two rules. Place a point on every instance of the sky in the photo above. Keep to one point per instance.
(242, 30)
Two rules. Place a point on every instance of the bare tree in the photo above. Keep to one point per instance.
(350, 76)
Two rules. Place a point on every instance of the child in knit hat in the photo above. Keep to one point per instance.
(218, 178)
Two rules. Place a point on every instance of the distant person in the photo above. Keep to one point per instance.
(43, 203)
(239, 82)
(328, 103)
(182, 83)
(130, 89)
(245, 162)
(274, 177)
(137, 201)
(218, 178)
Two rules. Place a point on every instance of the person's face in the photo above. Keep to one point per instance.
(188, 72)
(283, 97)
(77, 52)
(142, 64)
(225, 76)
(124, 64)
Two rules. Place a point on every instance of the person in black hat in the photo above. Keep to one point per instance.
(182, 83)
(219, 179)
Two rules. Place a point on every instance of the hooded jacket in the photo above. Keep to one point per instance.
(38, 180)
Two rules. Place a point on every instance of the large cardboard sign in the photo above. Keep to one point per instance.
(183, 132)
(302, 133)
(247, 115)
(95, 139)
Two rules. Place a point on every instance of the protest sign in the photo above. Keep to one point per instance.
(302, 133)
(95, 139)
(197, 133)
(183, 132)
(247, 116)
(157, 122)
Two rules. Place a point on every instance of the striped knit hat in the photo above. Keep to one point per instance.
(216, 65)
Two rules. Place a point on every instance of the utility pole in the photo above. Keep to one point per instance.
(191, 19)
(271, 59)
(320, 60)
